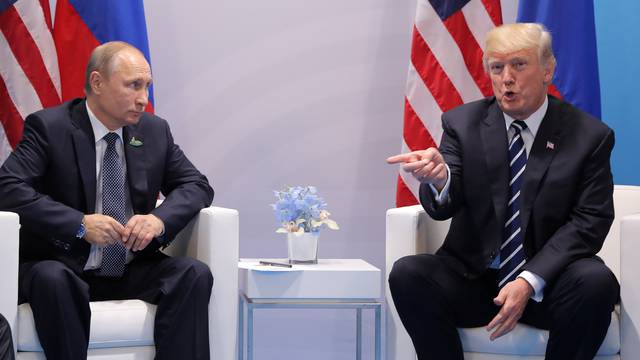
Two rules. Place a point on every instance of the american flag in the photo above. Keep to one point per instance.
(29, 75)
(445, 71)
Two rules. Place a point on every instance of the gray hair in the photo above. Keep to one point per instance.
(102, 60)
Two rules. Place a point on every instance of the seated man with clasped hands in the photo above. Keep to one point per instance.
(85, 179)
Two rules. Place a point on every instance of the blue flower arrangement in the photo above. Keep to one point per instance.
(300, 209)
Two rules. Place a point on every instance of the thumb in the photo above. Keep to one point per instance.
(499, 300)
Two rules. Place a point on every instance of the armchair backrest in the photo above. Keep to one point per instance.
(9, 228)
(626, 201)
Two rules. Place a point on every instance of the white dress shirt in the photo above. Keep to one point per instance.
(528, 135)
(99, 131)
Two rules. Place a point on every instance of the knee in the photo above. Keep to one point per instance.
(4, 324)
(197, 272)
(596, 288)
(50, 275)
(405, 271)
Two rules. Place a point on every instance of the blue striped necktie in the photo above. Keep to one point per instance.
(512, 256)
(113, 204)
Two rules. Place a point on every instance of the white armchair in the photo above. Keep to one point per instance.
(212, 237)
(409, 230)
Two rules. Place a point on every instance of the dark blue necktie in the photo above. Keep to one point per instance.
(512, 256)
(113, 204)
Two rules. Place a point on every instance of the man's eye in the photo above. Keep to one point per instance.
(496, 68)
(520, 65)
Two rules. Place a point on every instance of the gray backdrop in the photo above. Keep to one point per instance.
(264, 94)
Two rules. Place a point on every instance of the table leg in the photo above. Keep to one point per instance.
(358, 334)
(249, 331)
(378, 332)
(240, 327)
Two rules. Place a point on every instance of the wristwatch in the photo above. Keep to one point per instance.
(81, 231)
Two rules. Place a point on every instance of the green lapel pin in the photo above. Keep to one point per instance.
(135, 142)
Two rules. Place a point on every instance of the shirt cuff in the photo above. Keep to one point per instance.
(536, 282)
(442, 197)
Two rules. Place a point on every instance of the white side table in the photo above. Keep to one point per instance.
(329, 284)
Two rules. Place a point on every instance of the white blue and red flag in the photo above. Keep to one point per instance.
(82, 25)
(574, 45)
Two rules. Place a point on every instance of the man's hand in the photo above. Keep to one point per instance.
(140, 230)
(513, 298)
(427, 166)
(102, 230)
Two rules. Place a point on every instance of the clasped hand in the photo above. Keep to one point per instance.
(136, 234)
(427, 166)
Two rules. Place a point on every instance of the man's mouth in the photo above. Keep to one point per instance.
(509, 95)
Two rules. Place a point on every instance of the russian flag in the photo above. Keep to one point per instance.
(572, 26)
(82, 25)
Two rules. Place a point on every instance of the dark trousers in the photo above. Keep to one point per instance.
(6, 343)
(180, 287)
(433, 300)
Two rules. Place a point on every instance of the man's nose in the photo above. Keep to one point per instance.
(507, 76)
(142, 98)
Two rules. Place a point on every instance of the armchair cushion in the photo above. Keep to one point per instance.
(528, 340)
(134, 318)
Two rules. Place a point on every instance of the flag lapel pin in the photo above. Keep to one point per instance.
(550, 145)
(135, 142)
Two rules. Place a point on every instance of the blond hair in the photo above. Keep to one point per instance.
(510, 38)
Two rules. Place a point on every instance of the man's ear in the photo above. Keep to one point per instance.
(549, 69)
(96, 81)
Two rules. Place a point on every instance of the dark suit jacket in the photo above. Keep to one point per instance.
(50, 181)
(567, 193)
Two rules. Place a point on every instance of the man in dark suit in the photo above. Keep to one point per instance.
(527, 182)
(6, 343)
(85, 179)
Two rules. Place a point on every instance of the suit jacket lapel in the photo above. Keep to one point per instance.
(85, 148)
(494, 139)
(137, 175)
(545, 145)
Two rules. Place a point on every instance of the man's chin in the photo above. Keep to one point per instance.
(134, 119)
(510, 109)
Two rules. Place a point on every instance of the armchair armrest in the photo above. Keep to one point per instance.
(9, 247)
(213, 238)
(630, 287)
(409, 230)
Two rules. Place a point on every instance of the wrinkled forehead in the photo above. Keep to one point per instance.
(130, 63)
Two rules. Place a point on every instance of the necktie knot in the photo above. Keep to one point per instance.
(111, 138)
(519, 125)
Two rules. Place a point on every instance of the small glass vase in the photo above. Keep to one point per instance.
(303, 247)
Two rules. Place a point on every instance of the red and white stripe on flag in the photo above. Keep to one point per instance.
(445, 71)
(29, 75)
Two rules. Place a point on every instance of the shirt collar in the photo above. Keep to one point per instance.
(533, 121)
(99, 130)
